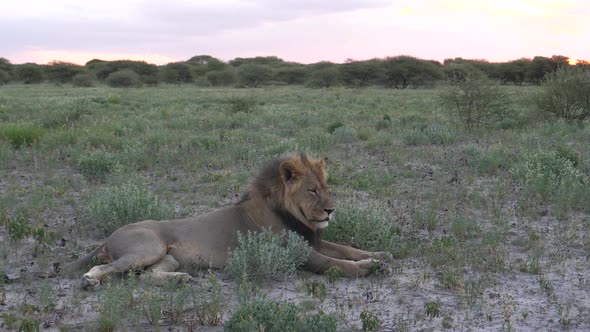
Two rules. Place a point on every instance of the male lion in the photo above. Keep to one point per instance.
(289, 194)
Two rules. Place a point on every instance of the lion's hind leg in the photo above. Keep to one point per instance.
(164, 271)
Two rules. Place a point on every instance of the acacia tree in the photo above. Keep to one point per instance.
(253, 75)
(475, 102)
(404, 71)
(566, 93)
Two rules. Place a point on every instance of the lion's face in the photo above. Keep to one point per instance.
(306, 193)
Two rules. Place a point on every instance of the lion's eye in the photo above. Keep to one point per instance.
(313, 191)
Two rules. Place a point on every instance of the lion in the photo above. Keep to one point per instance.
(290, 193)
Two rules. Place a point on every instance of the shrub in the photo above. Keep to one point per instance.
(566, 93)
(117, 206)
(84, 80)
(125, 78)
(62, 72)
(223, 77)
(29, 73)
(264, 255)
(546, 172)
(69, 112)
(242, 104)
(277, 316)
(20, 135)
(475, 102)
(4, 77)
(254, 75)
(370, 321)
(368, 228)
(334, 125)
(344, 135)
(95, 166)
(429, 134)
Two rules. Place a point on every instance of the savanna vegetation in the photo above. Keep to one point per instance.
(477, 180)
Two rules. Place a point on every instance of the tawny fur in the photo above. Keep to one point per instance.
(290, 193)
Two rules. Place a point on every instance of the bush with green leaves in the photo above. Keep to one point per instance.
(4, 77)
(96, 165)
(370, 321)
(264, 255)
(277, 316)
(222, 77)
(242, 104)
(84, 80)
(21, 134)
(344, 134)
(565, 93)
(436, 134)
(124, 78)
(114, 207)
(475, 102)
(368, 228)
(254, 75)
(546, 172)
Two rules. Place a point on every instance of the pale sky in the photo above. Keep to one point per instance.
(295, 30)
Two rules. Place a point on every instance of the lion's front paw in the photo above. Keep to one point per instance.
(89, 283)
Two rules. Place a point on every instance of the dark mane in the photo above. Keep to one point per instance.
(268, 183)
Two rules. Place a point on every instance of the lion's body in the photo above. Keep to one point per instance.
(289, 194)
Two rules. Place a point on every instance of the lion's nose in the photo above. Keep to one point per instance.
(329, 211)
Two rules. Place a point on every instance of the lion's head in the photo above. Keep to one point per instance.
(296, 185)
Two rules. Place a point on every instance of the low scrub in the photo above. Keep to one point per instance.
(114, 207)
(273, 316)
(366, 228)
(20, 135)
(265, 255)
(95, 166)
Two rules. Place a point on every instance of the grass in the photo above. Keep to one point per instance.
(478, 211)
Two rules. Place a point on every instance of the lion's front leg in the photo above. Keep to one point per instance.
(339, 251)
(320, 263)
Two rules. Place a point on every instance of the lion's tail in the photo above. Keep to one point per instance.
(81, 262)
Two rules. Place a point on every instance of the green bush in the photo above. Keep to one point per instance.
(242, 104)
(344, 135)
(95, 166)
(368, 228)
(546, 172)
(475, 102)
(370, 321)
(84, 80)
(4, 77)
(114, 207)
(566, 93)
(265, 255)
(125, 78)
(436, 134)
(254, 75)
(223, 77)
(273, 316)
(29, 73)
(20, 135)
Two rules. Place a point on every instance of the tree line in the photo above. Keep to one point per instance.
(397, 72)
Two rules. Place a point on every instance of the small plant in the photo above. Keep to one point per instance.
(276, 316)
(475, 102)
(432, 309)
(344, 135)
(369, 320)
(209, 302)
(114, 207)
(566, 94)
(333, 274)
(95, 166)
(18, 228)
(546, 285)
(20, 135)
(315, 288)
(115, 302)
(369, 228)
(435, 134)
(242, 104)
(334, 125)
(265, 255)
(25, 321)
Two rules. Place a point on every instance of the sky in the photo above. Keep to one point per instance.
(303, 31)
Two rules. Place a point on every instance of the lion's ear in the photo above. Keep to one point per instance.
(290, 171)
